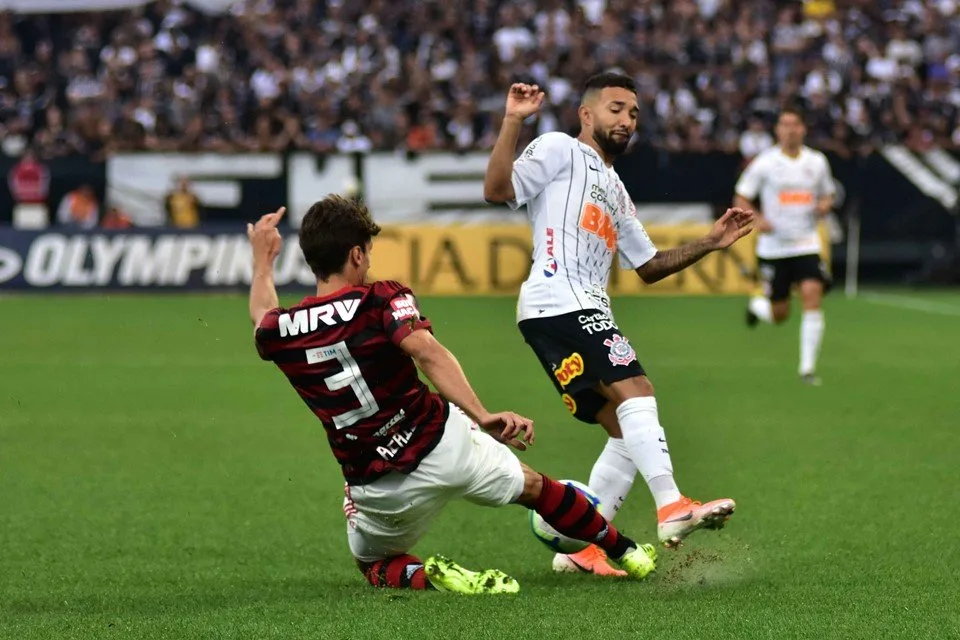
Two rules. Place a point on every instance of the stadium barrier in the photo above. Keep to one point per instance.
(433, 260)
(902, 234)
(495, 259)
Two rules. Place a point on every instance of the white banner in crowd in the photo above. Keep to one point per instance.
(78, 6)
(439, 188)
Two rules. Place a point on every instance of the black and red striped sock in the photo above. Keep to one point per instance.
(570, 513)
(398, 572)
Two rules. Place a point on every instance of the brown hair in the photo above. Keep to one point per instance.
(331, 229)
(791, 110)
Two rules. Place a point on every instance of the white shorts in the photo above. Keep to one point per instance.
(388, 516)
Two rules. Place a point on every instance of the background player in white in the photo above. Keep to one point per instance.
(582, 216)
(796, 190)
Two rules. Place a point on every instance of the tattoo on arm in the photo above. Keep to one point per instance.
(669, 262)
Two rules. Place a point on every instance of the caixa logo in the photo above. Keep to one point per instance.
(10, 264)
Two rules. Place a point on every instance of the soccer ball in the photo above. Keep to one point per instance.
(549, 536)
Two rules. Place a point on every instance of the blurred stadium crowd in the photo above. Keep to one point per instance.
(274, 75)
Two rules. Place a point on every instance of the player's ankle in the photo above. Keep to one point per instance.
(622, 555)
(664, 490)
(623, 546)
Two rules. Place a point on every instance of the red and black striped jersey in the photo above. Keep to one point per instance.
(341, 354)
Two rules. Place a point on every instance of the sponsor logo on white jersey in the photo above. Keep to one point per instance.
(551, 267)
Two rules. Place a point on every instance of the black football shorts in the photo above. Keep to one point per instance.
(779, 275)
(578, 350)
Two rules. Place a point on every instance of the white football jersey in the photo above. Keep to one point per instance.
(582, 216)
(788, 189)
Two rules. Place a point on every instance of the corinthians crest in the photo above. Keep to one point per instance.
(621, 353)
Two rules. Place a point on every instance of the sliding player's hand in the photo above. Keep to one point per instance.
(510, 428)
(264, 237)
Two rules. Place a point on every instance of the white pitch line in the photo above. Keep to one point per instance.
(915, 304)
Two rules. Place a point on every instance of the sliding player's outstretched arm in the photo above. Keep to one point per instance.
(444, 371)
(523, 100)
(733, 225)
(265, 243)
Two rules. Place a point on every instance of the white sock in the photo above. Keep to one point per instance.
(647, 444)
(612, 477)
(811, 335)
(761, 308)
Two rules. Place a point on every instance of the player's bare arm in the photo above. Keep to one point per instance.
(740, 202)
(824, 205)
(445, 373)
(265, 243)
(733, 225)
(523, 100)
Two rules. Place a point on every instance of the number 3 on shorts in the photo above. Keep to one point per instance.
(349, 377)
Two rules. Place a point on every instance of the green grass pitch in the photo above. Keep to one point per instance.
(158, 480)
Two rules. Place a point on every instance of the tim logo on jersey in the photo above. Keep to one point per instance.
(621, 353)
(551, 267)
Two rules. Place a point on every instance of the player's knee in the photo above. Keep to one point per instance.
(645, 387)
(812, 295)
(532, 486)
(781, 312)
(607, 417)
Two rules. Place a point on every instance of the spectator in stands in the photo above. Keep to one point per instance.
(29, 180)
(116, 219)
(53, 139)
(352, 140)
(79, 209)
(755, 139)
(422, 135)
(275, 75)
(183, 206)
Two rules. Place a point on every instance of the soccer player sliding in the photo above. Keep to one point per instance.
(352, 352)
(582, 216)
